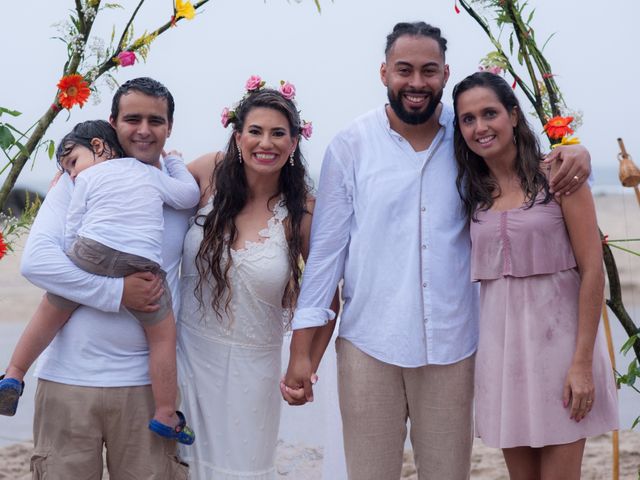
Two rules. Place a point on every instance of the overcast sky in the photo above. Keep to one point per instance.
(333, 58)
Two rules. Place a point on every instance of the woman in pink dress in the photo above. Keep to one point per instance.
(543, 377)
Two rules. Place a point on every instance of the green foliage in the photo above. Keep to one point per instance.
(633, 371)
(12, 228)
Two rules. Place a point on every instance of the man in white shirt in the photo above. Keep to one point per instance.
(388, 220)
(94, 387)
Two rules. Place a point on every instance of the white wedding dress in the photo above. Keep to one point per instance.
(229, 369)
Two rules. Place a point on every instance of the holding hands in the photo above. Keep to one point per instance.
(302, 392)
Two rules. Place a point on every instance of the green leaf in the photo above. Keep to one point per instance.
(632, 373)
(635, 422)
(7, 140)
(317, 2)
(51, 150)
(547, 41)
(629, 343)
(13, 113)
(531, 15)
(522, 8)
(511, 43)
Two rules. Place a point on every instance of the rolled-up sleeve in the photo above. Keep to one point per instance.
(45, 264)
(330, 233)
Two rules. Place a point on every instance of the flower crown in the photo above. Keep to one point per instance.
(255, 83)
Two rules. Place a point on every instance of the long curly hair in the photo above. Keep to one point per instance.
(231, 191)
(476, 186)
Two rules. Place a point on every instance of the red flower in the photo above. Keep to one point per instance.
(558, 127)
(3, 246)
(455, 6)
(73, 91)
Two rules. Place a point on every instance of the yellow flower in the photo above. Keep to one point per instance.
(567, 141)
(185, 9)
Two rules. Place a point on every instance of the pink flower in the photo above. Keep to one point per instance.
(126, 59)
(254, 83)
(226, 116)
(492, 69)
(287, 90)
(306, 130)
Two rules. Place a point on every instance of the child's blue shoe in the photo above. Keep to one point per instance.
(10, 391)
(181, 433)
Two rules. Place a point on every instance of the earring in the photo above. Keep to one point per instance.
(515, 139)
(291, 160)
(239, 153)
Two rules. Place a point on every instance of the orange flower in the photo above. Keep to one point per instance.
(73, 90)
(3, 246)
(558, 127)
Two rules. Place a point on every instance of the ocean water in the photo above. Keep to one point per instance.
(605, 181)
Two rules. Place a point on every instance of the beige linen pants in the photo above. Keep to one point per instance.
(376, 399)
(72, 424)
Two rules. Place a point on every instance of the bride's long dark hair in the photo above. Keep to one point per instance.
(231, 191)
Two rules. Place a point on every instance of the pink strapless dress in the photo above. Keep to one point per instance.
(529, 287)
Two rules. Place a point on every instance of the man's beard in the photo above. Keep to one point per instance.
(413, 118)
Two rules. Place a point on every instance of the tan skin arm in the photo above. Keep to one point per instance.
(308, 344)
(202, 168)
(579, 214)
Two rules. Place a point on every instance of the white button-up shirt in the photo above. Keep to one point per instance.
(389, 221)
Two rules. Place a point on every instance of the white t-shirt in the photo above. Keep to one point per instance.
(119, 204)
(102, 345)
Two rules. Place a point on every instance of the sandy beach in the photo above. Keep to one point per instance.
(299, 454)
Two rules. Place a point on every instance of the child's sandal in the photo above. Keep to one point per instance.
(182, 433)
(10, 392)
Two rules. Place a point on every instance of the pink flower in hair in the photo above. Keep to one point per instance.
(226, 116)
(306, 130)
(254, 83)
(287, 90)
(496, 70)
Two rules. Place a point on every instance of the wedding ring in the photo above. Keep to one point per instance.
(576, 178)
(589, 402)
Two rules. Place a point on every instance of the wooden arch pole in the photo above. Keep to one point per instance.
(615, 438)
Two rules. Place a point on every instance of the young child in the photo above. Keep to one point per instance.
(114, 228)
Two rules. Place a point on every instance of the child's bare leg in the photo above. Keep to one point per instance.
(40, 331)
(162, 368)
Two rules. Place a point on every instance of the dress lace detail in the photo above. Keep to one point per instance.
(258, 276)
(229, 368)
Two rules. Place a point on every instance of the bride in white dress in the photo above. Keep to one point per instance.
(240, 279)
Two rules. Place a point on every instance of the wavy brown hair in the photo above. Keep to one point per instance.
(230, 196)
(475, 184)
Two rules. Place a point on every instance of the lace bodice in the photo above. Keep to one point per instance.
(258, 276)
